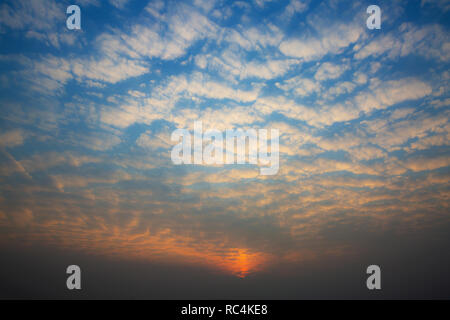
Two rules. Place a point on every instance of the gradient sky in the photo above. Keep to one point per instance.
(363, 115)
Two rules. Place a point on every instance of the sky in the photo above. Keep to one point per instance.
(86, 175)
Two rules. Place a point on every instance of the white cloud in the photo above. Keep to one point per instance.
(429, 41)
(391, 136)
(184, 26)
(360, 78)
(42, 15)
(253, 38)
(331, 40)
(108, 70)
(262, 3)
(301, 86)
(387, 93)
(203, 86)
(99, 140)
(39, 19)
(50, 74)
(155, 141)
(380, 95)
(330, 71)
(340, 88)
(294, 7)
(120, 4)
(232, 66)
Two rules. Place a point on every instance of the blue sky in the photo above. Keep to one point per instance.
(86, 118)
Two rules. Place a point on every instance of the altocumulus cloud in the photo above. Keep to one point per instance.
(86, 120)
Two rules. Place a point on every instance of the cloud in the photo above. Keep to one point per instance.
(251, 39)
(12, 138)
(332, 40)
(391, 135)
(86, 3)
(96, 140)
(154, 142)
(120, 4)
(220, 119)
(363, 135)
(183, 26)
(329, 71)
(50, 74)
(387, 93)
(433, 140)
(44, 161)
(295, 6)
(42, 15)
(441, 4)
(262, 3)
(42, 20)
(120, 55)
(340, 88)
(428, 41)
(422, 163)
(9, 165)
(108, 70)
(367, 153)
(301, 86)
(162, 100)
(238, 67)
(68, 181)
